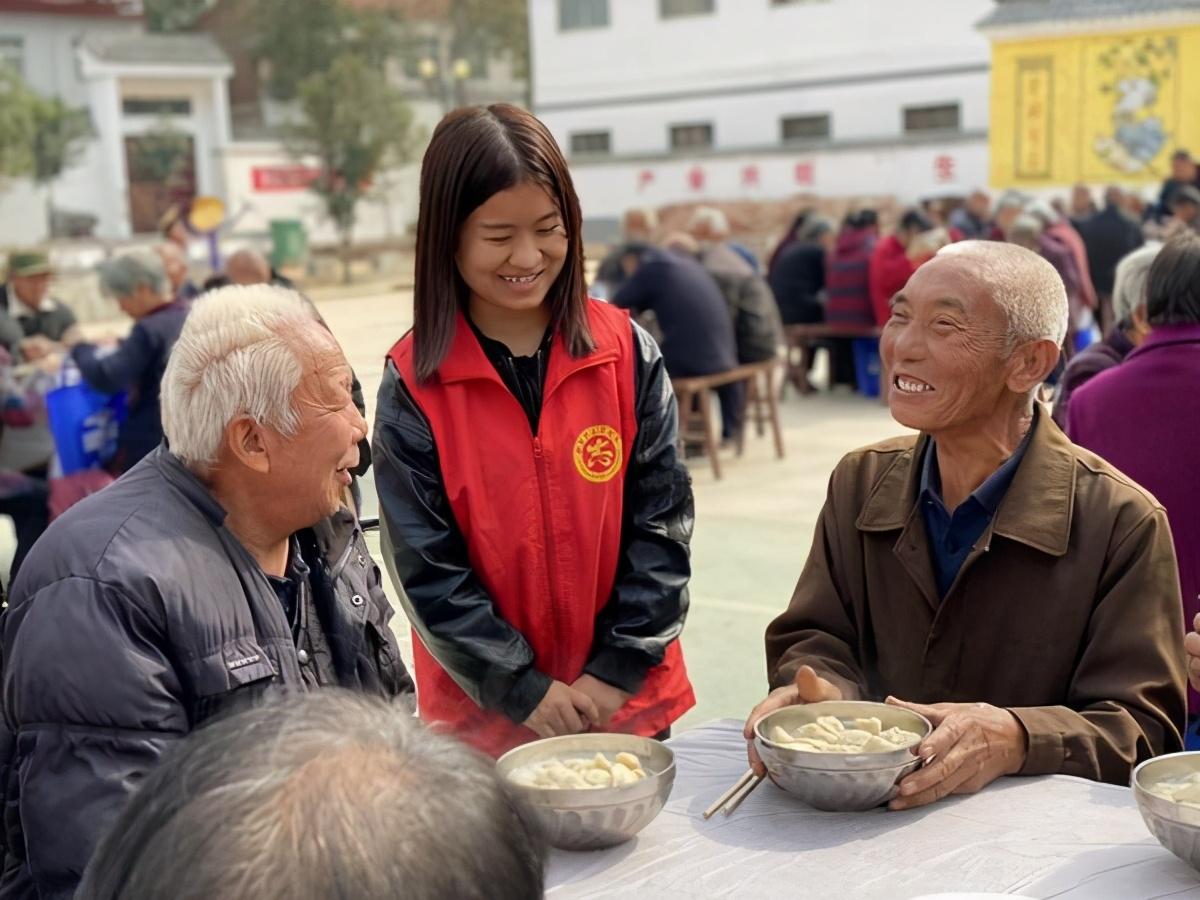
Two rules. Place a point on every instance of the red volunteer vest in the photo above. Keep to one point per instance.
(541, 515)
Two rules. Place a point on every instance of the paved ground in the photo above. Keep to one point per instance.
(753, 530)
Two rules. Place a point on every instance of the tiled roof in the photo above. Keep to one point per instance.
(140, 48)
(1020, 12)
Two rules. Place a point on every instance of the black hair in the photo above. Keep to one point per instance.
(1173, 284)
(915, 220)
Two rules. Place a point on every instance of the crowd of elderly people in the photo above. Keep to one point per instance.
(1017, 584)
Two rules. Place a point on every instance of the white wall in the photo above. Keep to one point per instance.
(746, 42)
(909, 173)
(50, 68)
(22, 213)
(743, 69)
(251, 211)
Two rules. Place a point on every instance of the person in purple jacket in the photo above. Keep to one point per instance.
(1143, 416)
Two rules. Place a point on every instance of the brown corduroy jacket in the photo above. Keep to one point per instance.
(1067, 611)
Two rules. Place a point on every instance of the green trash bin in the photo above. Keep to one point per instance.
(289, 243)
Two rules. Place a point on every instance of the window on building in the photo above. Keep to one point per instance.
(591, 143)
(674, 9)
(576, 14)
(693, 136)
(943, 117)
(794, 129)
(12, 53)
(156, 106)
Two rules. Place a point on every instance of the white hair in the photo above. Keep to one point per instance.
(1129, 287)
(124, 274)
(648, 216)
(1024, 285)
(235, 356)
(711, 218)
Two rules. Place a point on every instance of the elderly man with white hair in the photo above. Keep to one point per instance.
(1013, 588)
(710, 227)
(221, 569)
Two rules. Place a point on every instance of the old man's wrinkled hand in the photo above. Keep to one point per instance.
(972, 744)
(808, 687)
(1191, 643)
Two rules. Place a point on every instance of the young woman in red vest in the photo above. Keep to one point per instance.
(534, 509)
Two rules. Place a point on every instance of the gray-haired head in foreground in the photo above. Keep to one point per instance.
(1024, 285)
(331, 795)
(1129, 286)
(124, 274)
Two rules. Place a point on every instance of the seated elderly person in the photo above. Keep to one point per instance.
(697, 331)
(1143, 416)
(1129, 312)
(217, 571)
(1015, 589)
(327, 796)
(709, 227)
(140, 286)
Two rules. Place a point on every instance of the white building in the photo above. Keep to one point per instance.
(662, 101)
(96, 54)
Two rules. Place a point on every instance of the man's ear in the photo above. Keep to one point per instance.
(246, 442)
(1030, 365)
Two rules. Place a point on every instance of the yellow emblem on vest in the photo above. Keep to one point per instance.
(598, 453)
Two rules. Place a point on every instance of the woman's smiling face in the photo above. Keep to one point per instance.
(512, 248)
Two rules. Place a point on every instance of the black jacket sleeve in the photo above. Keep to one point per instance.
(364, 446)
(79, 737)
(120, 369)
(650, 599)
(427, 557)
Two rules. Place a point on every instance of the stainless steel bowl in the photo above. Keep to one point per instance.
(602, 817)
(1175, 826)
(839, 782)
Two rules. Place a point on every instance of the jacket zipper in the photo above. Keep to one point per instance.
(551, 555)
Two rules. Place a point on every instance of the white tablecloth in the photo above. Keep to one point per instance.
(1056, 837)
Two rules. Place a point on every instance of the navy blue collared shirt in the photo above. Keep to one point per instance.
(952, 537)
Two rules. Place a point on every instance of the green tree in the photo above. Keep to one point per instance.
(356, 126)
(498, 26)
(298, 40)
(16, 125)
(60, 135)
(159, 153)
(173, 15)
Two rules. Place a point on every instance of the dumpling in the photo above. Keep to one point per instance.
(622, 775)
(852, 737)
(598, 777)
(871, 726)
(629, 761)
(877, 744)
(779, 736)
(600, 761)
(831, 724)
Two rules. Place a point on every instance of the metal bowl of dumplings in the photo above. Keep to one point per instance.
(839, 781)
(595, 818)
(1175, 825)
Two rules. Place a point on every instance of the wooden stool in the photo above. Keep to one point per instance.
(802, 343)
(695, 407)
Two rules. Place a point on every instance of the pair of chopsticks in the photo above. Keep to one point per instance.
(732, 798)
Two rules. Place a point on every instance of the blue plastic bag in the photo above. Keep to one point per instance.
(84, 422)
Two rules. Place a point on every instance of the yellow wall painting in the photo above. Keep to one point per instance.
(1095, 108)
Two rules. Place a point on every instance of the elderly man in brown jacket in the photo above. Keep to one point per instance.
(1012, 587)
